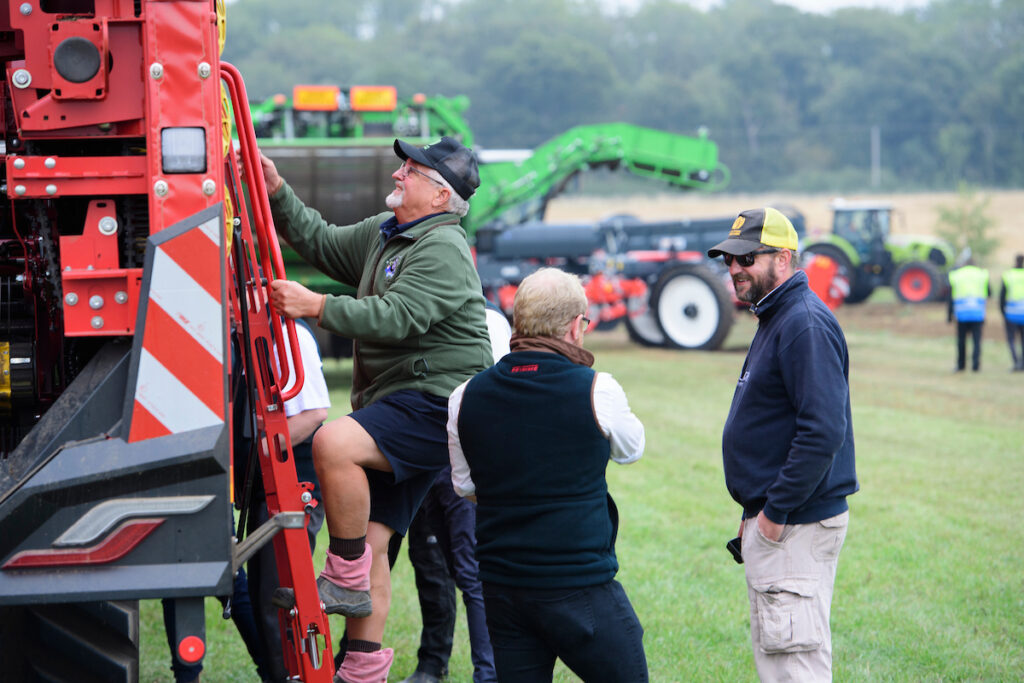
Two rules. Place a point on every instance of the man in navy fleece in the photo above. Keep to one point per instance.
(787, 449)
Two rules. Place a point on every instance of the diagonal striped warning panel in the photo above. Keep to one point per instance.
(178, 375)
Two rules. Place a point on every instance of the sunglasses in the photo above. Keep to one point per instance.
(746, 260)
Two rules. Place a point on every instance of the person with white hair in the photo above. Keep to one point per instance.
(530, 440)
(418, 324)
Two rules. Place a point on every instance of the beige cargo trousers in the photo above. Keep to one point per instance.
(790, 584)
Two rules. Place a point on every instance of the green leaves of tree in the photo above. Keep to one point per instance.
(790, 97)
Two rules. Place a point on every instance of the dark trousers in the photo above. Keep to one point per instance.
(1015, 332)
(262, 566)
(442, 547)
(974, 328)
(592, 629)
(436, 591)
(241, 613)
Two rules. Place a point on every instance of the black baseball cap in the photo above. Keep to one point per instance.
(454, 161)
(757, 228)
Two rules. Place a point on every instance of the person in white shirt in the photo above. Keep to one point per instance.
(530, 439)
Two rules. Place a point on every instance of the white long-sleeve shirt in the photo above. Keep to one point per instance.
(314, 392)
(616, 421)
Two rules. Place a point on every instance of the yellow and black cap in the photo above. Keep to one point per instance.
(756, 228)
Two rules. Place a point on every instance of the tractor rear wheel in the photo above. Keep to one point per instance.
(860, 290)
(692, 308)
(916, 282)
(860, 285)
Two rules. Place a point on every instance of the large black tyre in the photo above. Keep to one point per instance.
(860, 290)
(692, 307)
(86, 642)
(916, 282)
(860, 286)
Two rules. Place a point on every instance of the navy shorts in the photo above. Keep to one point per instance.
(409, 428)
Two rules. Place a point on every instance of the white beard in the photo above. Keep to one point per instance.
(394, 200)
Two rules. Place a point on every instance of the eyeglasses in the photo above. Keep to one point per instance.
(409, 167)
(586, 323)
(746, 260)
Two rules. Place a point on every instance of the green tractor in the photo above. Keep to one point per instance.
(868, 256)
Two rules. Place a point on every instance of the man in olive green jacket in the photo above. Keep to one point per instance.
(419, 330)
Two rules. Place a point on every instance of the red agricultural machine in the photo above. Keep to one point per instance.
(133, 317)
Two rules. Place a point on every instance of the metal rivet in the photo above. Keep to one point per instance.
(96, 322)
(96, 302)
(71, 298)
(51, 189)
(20, 190)
(160, 187)
(22, 78)
(306, 497)
(108, 225)
(204, 70)
(50, 162)
(121, 297)
(19, 163)
(25, 9)
(209, 187)
(156, 70)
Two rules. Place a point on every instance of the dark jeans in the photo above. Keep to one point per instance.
(1015, 332)
(592, 629)
(263, 580)
(442, 546)
(961, 344)
(245, 622)
(436, 591)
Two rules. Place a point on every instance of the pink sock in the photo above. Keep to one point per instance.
(366, 667)
(351, 574)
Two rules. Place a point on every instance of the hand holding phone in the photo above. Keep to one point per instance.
(734, 546)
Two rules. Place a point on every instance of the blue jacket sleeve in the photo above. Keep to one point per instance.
(814, 371)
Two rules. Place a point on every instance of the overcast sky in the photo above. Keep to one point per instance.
(804, 5)
(829, 5)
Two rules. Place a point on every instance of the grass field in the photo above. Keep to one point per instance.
(930, 581)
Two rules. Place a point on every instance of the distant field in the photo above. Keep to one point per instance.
(930, 582)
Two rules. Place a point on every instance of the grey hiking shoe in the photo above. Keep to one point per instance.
(343, 601)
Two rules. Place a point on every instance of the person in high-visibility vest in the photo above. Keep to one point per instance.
(968, 291)
(1011, 303)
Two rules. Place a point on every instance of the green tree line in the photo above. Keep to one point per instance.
(923, 99)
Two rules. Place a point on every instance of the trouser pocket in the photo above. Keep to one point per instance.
(788, 617)
(788, 606)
